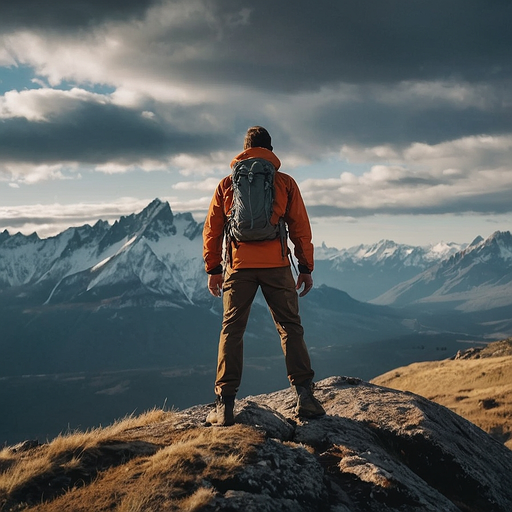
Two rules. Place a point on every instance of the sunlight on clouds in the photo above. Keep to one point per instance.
(146, 165)
(198, 206)
(6, 59)
(461, 94)
(191, 165)
(208, 184)
(30, 174)
(430, 176)
(60, 57)
(40, 104)
(107, 55)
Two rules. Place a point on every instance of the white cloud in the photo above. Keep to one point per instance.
(208, 184)
(466, 172)
(27, 174)
(214, 163)
(40, 104)
(466, 153)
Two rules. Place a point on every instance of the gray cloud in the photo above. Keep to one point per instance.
(98, 133)
(65, 14)
(277, 47)
(485, 203)
(189, 76)
(267, 53)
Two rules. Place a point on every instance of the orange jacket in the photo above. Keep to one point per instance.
(288, 203)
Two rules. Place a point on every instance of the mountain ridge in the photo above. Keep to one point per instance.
(474, 279)
(367, 271)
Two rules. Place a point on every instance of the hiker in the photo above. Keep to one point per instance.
(263, 263)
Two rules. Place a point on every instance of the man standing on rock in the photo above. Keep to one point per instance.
(258, 258)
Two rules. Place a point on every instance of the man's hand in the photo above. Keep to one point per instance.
(307, 281)
(215, 284)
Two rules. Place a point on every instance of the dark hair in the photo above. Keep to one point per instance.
(257, 137)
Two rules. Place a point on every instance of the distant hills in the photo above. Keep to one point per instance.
(471, 277)
(474, 279)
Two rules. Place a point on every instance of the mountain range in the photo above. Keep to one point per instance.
(118, 316)
(154, 251)
(367, 271)
(474, 279)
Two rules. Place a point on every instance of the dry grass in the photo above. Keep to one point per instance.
(479, 390)
(65, 452)
(138, 464)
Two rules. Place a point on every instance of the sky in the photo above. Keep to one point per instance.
(394, 116)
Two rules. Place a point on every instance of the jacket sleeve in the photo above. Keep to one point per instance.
(299, 228)
(213, 233)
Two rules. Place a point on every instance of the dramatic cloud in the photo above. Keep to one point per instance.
(394, 107)
(66, 15)
(467, 175)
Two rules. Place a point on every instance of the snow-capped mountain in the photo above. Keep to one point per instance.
(123, 312)
(153, 252)
(474, 279)
(367, 271)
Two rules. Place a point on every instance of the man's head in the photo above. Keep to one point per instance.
(257, 137)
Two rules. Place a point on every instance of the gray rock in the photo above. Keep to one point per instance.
(377, 449)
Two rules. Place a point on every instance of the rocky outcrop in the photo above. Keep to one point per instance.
(377, 449)
(497, 349)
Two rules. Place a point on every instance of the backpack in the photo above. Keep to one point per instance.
(253, 198)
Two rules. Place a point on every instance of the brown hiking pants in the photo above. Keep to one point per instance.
(239, 289)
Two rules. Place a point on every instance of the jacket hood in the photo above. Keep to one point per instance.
(257, 153)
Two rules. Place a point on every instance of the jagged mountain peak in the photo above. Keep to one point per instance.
(498, 245)
(137, 224)
(500, 237)
(476, 241)
(4, 235)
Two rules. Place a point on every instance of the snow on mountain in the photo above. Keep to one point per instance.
(367, 271)
(474, 279)
(154, 251)
(159, 254)
(386, 250)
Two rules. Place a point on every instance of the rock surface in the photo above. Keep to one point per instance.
(377, 449)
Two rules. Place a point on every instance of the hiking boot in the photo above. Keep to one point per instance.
(222, 415)
(307, 405)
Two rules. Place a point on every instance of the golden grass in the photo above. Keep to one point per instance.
(146, 464)
(65, 451)
(479, 390)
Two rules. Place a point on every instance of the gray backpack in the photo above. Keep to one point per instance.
(253, 198)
